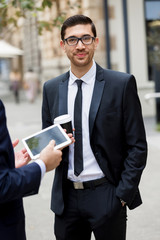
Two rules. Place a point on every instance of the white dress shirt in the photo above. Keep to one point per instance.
(42, 167)
(91, 169)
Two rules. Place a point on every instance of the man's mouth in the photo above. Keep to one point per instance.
(81, 55)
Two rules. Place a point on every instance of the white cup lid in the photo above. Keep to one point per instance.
(62, 119)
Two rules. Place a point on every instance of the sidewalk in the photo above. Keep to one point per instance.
(24, 119)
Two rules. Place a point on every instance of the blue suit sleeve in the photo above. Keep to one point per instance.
(14, 183)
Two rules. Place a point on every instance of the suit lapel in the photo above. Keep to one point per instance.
(97, 95)
(63, 95)
(63, 109)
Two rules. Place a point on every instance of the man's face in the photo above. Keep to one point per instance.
(80, 55)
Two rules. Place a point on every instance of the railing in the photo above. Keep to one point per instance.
(149, 96)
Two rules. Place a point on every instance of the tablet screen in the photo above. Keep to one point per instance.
(38, 141)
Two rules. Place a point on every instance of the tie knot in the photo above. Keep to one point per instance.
(79, 82)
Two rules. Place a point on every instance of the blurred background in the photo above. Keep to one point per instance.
(129, 33)
(30, 54)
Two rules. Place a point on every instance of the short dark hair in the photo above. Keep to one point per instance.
(75, 20)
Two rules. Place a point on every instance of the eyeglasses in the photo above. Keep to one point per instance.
(86, 40)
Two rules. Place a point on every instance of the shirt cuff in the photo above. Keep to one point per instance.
(42, 167)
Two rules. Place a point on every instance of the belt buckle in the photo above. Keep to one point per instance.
(78, 185)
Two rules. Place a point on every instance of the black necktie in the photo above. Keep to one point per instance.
(78, 146)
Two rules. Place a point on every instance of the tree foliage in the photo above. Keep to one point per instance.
(12, 10)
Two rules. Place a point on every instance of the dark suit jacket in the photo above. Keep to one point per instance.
(117, 134)
(14, 184)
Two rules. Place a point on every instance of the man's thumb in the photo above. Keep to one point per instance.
(52, 143)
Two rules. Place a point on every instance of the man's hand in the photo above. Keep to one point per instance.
(21, 157)
(50, 156)
(15, 143)
(70, 135)
(123, 202)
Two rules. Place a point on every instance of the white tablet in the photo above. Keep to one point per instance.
(35, 143)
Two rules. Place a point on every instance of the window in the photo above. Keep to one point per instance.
(152, 15)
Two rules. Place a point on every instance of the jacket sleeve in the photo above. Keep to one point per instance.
(135, 140)
(14, 183)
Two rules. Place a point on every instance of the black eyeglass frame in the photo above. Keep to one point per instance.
(79, 39)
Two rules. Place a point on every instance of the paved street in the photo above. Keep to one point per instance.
(143, 223)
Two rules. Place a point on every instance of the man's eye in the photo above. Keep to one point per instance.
(72, 40)
(86, 38)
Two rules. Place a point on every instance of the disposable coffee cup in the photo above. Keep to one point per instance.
(65, 121)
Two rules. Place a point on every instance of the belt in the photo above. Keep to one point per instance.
(89, 184)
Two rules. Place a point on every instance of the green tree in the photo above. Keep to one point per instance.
(12, 10)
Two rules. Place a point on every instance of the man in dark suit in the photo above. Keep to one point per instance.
(16, 183)
(93, 197)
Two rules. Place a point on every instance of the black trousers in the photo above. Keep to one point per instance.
(96, 210)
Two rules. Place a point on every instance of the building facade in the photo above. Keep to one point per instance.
(125, 29)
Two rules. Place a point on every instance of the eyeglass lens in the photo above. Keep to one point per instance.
(74, 40)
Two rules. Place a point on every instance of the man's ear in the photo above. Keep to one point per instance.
(96, 42)
(62, 45)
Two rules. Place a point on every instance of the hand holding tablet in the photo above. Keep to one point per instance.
(38, 141)
(50, 156)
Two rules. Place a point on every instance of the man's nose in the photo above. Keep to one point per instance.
(80, 45)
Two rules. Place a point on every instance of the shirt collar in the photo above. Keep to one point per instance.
(87, 78)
